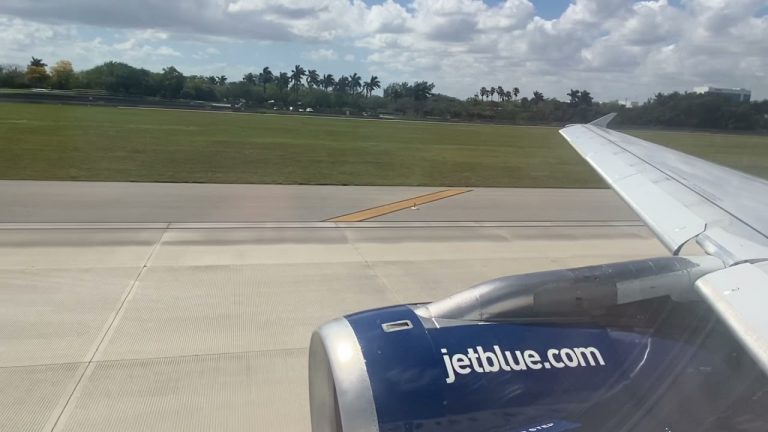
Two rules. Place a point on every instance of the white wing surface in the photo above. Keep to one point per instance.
(682, 198)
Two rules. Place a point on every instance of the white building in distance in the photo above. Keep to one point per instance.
(628, 103)
(735, 94)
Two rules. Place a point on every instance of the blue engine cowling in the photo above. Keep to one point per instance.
(671, 367)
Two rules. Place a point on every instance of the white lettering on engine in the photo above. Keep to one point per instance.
(481, 360)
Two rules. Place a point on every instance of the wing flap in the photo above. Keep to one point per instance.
(672, 222)
(739, 295)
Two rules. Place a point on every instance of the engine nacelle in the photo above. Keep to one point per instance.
(468, 364)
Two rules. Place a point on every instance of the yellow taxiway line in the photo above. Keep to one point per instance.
(375, 212)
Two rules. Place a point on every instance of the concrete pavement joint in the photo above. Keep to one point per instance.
(373, 270)
(105, 333)
(132, 359)
(325, 225)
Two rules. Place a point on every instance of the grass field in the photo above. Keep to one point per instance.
(48, 142)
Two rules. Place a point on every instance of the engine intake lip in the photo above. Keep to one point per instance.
(340, 395)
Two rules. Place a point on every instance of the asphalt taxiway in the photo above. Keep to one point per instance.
(161, 307)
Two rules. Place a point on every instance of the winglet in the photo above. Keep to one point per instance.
(604, 120)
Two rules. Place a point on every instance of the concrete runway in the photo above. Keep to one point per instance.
(128, 307)
(57, 202)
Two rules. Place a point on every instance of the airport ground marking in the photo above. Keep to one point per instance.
(382, 210)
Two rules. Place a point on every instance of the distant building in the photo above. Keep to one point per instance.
(735, 94)
(628, 103)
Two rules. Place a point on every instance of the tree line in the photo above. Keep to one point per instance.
(354, 94)
(298, 86)
(503, 95)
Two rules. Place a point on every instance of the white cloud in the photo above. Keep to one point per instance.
(321, 54)
(305, 19)
(130, 51)
(20, 39)
(388, 17)
(150, 35)
(615, 48)
(206, 53)
(136, 49)
(165, 51)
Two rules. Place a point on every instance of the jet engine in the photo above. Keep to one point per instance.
(623, 346)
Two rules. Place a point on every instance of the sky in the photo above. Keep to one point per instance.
(616, 49)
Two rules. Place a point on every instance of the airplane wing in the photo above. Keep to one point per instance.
(682, 199)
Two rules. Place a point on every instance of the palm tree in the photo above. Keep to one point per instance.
(249, 78)
(342, 84)
(212, 79)
(328, 81)
(484, 92)
(491, 92)
(36, 62)
(313, 78)
(355, 83)
(574, 95)
(222, 80)
(297, 75)
(371, 85)
(508, 95)
(537, 97)
(515, 92)
(500, 93)
(265, 77)
(283, 81)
